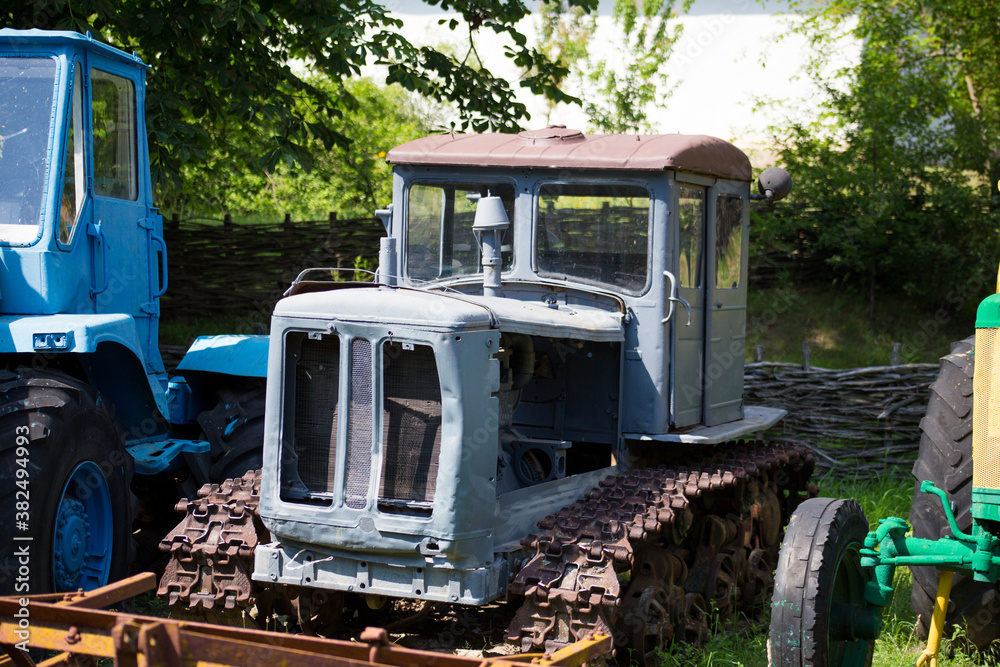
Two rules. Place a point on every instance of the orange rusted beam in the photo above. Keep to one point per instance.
(70, 626)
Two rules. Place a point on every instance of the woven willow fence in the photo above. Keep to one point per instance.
(859, 421)
(218, 268)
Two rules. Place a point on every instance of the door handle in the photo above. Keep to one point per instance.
(94, 231)
(674, 297)
(158, 240)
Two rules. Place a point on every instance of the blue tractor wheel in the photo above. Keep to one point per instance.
(64, 486)
(83, 540)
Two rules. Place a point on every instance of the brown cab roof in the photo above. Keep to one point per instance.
(560, 148)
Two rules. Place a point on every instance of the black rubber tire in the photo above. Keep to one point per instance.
(235, 429)
(67, 424)
(946, 459)
(818, 565)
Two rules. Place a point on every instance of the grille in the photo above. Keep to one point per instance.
(411, 429)
(359, 439)
(317, 378)
(986, 412)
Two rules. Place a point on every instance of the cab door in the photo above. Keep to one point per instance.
(122, 227)
(728, 222)
(688, 333)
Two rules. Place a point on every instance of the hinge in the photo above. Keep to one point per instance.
(146, 223)
(151, 307)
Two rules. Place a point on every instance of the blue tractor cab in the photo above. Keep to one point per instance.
(85, 400)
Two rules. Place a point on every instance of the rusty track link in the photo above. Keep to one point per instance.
(699, 539)
(640, 521)
(211, 550)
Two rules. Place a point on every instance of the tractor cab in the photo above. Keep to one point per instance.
(81, 244)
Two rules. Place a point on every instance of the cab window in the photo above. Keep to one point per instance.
(439, 239)
(115, 171)
(728, 241)
(594, 232)
(74, 182)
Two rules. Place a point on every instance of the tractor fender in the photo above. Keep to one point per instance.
(239, 356)
(103, 341)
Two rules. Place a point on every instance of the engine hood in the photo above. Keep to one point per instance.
(450, 312)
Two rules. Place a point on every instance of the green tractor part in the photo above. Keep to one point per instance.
(834, 577)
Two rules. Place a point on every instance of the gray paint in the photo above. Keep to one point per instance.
(467, 548)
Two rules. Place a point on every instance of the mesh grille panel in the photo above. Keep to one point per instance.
(411, 429)
(359, 441)
(317, 378)
(986, 412)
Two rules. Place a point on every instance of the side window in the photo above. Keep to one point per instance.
(115, 172)
(691, 218)
(728, 241)
(74, 180)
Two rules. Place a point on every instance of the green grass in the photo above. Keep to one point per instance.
(840, 332)
(898, 645)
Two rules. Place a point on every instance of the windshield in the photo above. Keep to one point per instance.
(594, 232)
(439, 239)
(26, 95)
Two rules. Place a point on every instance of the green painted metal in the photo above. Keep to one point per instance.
(988, 314)
(985, 504)
(887, 547)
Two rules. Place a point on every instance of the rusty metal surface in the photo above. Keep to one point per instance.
(559, 148)
(170, 643)
(211, 550)
(697, 539)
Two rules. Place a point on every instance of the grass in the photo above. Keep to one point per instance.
(840, 332)
(898, 645)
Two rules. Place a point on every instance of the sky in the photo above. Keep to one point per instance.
(732, 54)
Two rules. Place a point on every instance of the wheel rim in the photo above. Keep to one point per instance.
(847, 609)
(84, 531)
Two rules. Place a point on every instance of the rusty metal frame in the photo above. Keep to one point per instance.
(74, 625)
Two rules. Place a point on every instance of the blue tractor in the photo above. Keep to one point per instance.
(85, 402)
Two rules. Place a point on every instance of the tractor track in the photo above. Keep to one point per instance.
(699, 542)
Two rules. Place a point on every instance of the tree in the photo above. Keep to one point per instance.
(226, 66)
(352, 180)
(894, 172)
(622, 92)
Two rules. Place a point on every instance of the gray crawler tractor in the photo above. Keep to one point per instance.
(541, 390)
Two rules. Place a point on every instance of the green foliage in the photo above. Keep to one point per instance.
(893, 178)
(352, 179)
(225, 68)
(840, 335)
(620, 95)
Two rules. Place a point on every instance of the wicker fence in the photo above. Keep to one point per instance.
(858, 421)
(218, 268)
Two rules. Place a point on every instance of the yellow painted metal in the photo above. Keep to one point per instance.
(578, 653)
(986, 411)
(929, 656)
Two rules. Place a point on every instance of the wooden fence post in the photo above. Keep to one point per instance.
(894, 360)
(175, 221)
(805, 355)
(333, 220)
(758, 353)
(288, 221)
(227, 222)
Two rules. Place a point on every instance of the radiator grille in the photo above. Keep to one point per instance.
(411, 429)
(317, 379)
(986, 411)
(359, 440)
